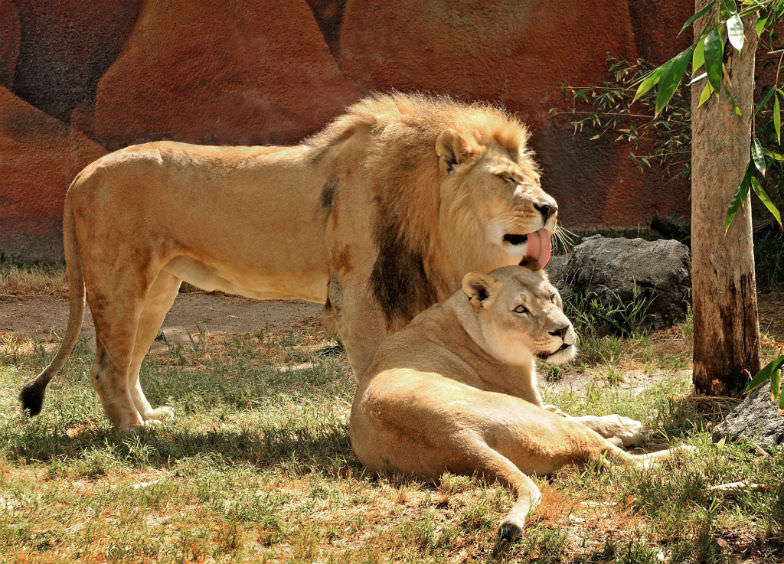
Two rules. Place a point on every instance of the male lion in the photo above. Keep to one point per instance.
(379, 216)
(456, 391)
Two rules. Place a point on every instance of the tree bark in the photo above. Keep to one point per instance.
(726, 329)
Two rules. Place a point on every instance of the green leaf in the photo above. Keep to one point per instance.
(781, 399)
(739, 198)
(648, 82)
(735, 31)
(761, 26)
(765, 199)
(775, 385)
(765, 374)
(777, 118)
(764, 100)
(698, 57)
(758, 156)
(774, 155)
(706, 93)
(697, 15)
(671, 77)
(714, 51)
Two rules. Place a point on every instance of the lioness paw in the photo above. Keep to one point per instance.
(510, 532)
(159, 414)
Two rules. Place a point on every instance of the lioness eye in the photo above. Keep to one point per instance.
(552, 298)
(521, 309)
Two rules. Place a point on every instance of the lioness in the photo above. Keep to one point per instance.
(456, 391)
(378, 216)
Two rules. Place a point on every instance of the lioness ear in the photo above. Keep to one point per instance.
(452, 150)
(479, 289)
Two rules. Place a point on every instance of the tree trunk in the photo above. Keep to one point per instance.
(726, 330)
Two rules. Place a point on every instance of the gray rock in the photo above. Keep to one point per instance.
(616, 271)
(556, 270)
(756, 418)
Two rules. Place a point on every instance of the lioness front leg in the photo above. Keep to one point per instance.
(111, 384)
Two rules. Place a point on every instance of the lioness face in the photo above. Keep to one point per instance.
(520, 315)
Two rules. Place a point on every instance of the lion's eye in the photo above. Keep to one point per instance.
(553, 299)
(521, 309)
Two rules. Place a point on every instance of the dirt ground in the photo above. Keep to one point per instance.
(45, 317)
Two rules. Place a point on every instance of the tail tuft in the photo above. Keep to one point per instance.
(32, 396)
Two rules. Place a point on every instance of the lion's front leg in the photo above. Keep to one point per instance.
(358, 320)
(629, 432)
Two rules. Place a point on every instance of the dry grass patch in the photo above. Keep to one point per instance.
(32, 280)
(257, 466)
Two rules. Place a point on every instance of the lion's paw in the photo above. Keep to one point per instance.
(159, 414)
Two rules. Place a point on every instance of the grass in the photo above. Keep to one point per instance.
(257, 466)
(19, 279)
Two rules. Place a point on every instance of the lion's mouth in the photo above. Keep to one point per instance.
(537, 245)
(514, 239)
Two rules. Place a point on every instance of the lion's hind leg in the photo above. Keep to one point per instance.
(157, 303)
(495, 466)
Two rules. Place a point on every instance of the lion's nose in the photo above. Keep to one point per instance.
(560, 332)
(546, 210)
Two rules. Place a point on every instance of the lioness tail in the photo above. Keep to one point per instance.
(32, 394)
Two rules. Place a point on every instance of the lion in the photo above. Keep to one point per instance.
(456, 391)
(378, 216)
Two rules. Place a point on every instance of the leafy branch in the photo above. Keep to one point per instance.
(607, 110)
(707, 67)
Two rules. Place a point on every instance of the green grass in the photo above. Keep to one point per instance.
(257, 466)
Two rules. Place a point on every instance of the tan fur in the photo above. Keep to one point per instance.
(456, 391)
(379, 216)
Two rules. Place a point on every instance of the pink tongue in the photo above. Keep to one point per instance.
(540, 247)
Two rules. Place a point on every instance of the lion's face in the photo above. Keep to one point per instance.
(520, 315)
(512, 217)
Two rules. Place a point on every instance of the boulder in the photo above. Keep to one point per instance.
(40, 157)
(222, 73)
(556, 270)
(756, 418)
(616, 271)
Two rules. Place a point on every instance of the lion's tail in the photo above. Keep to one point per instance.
(32, 394)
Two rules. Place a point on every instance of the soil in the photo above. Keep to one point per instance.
(46, 317)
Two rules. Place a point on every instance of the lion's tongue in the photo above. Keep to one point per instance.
(540, 247)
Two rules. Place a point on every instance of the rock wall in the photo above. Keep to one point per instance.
(80, 78)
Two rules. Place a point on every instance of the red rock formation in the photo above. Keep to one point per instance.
(517, 55)
(513, 53)
(9, 41)
(656, 24)
(65, 48)
(40, 157)
(220, 71)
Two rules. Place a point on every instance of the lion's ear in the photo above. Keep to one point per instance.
(479, 289)
(452, 150)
